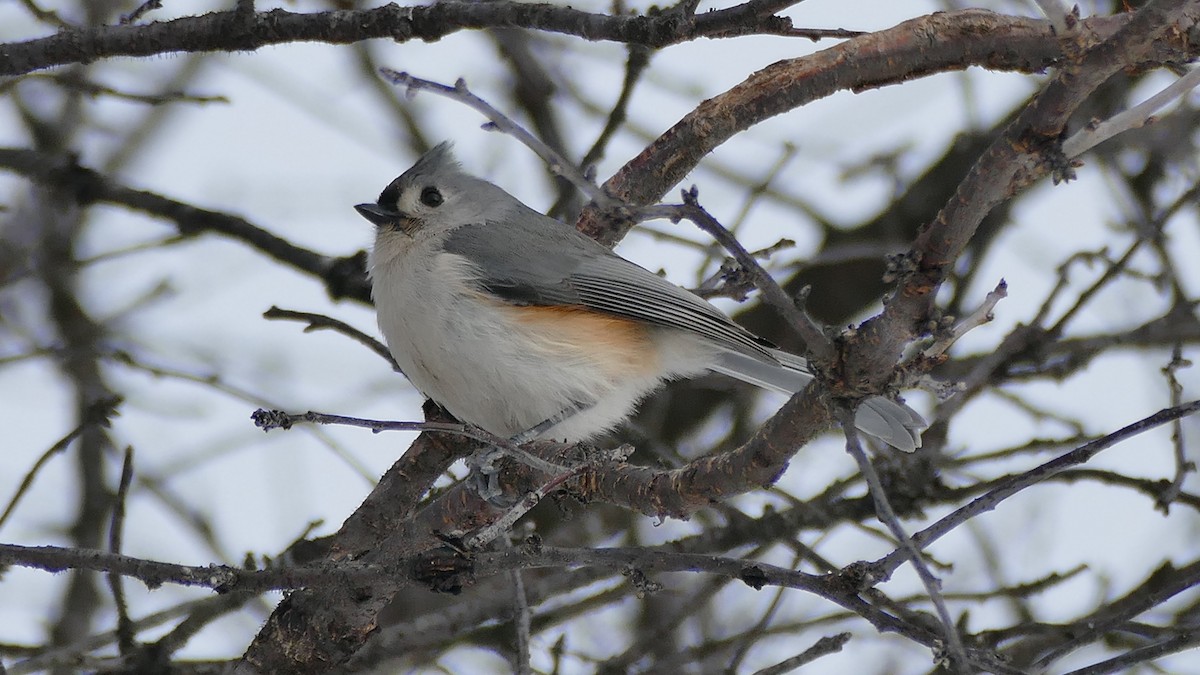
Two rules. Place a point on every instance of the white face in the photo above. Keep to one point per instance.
(435, 195)
(418, 199)
(411, 203)
(425, 192)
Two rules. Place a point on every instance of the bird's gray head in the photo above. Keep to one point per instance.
(435, 194)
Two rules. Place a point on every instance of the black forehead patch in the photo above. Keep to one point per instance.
(390, 197)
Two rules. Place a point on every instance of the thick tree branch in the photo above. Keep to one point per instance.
(1027, 151)
(240, 31)
(388, 533)
(931, 44)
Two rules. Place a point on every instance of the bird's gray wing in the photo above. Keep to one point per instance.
(531, 259)
(536, 260)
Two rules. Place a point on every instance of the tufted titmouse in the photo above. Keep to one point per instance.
(513, 321)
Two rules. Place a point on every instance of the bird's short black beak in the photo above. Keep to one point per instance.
(378, 215)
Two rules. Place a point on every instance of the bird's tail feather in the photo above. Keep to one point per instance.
(789, 379)
(890, 421)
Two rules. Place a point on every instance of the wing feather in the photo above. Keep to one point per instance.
(535, 260)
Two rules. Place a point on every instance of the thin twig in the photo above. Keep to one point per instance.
(635, 65)
(320, 321)
(830, 644)
(1063, 277)
(761, 188)
(1183, 466)
(534, 92)
(1111, 273)
(1134, 118)
(213, 381)
(278, 419)
(152, 573)
(883, 509)
(125, 630)
(1187, 639)
(1165, 583)
(504, 523)
(152, 245)
(1016, 591)
(72, 652)
(226, 579)
(813, 34)
(1057, 12)
(343, 277)
(1014, 484)
(203, 616)
(972, 321)
(46, 15)
(758, 630)
(73, 81)
(1149, 487)
(404, 118)
(100, 413)
(499, 121)
(140, 11)
(1040, 414)
(521, 620)
(815, 339)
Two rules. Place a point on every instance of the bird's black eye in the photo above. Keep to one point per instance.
(430, 196)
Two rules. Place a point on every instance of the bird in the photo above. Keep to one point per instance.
(521, 325)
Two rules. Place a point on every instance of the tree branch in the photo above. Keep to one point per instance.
(924, 46)
(239, 30)
(1028, 150)
(343, 277)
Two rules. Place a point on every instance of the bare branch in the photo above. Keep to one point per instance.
(983, 314)
(1184, 640)
(803, 325)
(1134, 118)
(1014, 484)
(1058, 13)
(498, 120)
(125, 634)
(47, 15)
(343, 277)
(277, 419)
(221, 578)
(958, 661)
(1183, 466)
(140, 11)
(244, 29)
(320, 321)
(948, 41)
(830, 644)
(1026, 151)
(521, 623)
(100, 413)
